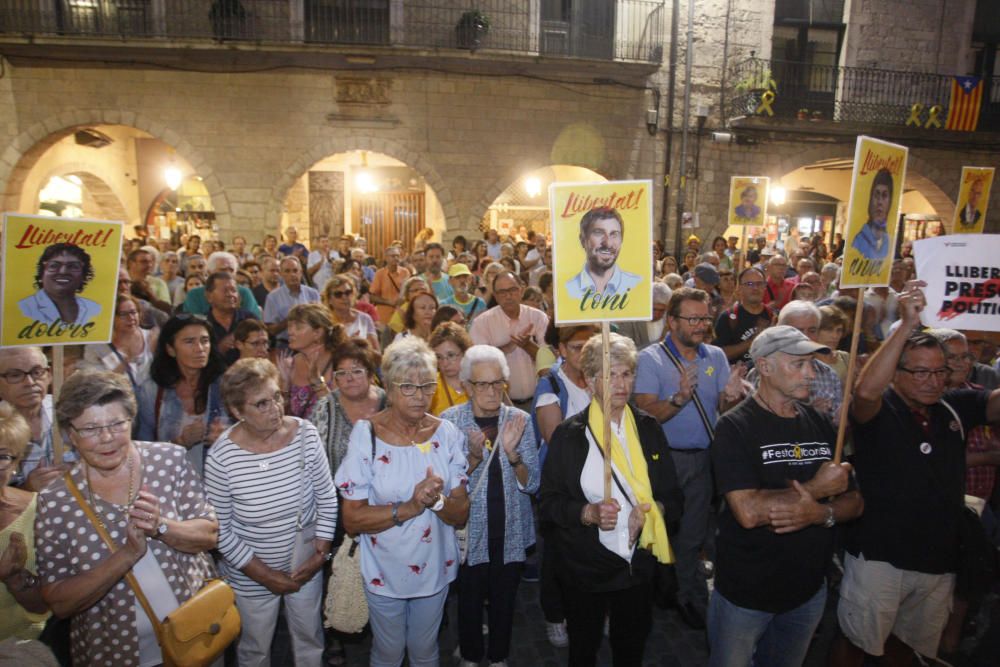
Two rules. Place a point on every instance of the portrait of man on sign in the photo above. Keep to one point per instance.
(970, 214)
(873, 239)
(748, 204)
(62, 272)
(601, 234)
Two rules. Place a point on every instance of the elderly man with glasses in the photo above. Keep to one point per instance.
(25, 378)
(737, 326)
(910, 455)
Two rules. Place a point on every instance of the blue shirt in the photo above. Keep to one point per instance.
(470, 308)
(866, 243)
(196, 303)
(281, 300)
(621, 282)
(657, 375)
(442, 290)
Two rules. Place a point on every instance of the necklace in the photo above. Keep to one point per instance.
(402, 429)
(767, 405)
(131, 488)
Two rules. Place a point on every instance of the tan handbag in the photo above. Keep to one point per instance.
(346, 607)
(198, 631)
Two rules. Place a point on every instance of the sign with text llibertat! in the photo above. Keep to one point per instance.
(962, 273)
(59, 280)
(873, 212)
(602, 251)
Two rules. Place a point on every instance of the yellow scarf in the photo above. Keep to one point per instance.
(654, 531)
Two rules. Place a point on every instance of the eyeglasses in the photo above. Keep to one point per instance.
(127, 313)
(6, 460)
(449, 356)
(340, 294)
(56, 267)
(507, 292)
(16, 376)
(353, 374)
(93, 432)
(409, 389)
(264, 404)
(753, 284)
(495, 385)
(694, 321)
(966, 358)
(922, 374)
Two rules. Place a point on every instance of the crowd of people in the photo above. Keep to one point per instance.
(259, 405)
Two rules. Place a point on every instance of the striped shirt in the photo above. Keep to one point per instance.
(257, 499)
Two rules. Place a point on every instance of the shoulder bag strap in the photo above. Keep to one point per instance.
(706, 422)
(128, 369)
(302, 480)
(129, 577)
(614, 476)
(156, 411)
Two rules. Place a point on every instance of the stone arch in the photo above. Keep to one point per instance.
(335, 145)
(920, 173)
(511, 175)
(105, 198)
(25, 150)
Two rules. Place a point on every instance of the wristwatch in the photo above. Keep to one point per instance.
(675, 403)
(830, 521)
(438, 505)
(161, 529)
(395, 514)
(327, 555)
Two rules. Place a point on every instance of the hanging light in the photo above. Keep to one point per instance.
(533, 186)
(173, 177)
(778, 195)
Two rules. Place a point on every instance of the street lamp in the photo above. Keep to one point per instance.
(173, 177)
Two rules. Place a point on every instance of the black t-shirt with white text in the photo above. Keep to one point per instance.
(736, 325)
(757, 449)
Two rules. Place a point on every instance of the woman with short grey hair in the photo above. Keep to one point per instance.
(402, 485)
(621, 350)
(503, 473)
(148, 497)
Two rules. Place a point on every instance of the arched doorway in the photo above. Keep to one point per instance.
(362, 193)
(111, 172)
(524, 205)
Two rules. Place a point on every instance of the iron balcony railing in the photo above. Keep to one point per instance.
(847, 94)
(621, 30)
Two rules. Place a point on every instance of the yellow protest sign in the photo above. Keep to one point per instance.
(60, 277)
(873, 212)
(602, 251)
(748, 200)
(973, 198)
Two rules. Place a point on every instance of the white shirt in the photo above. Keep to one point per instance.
(321, 277)
(592, 484)
(576, 398)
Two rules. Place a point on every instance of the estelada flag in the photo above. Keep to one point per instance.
(966, 98)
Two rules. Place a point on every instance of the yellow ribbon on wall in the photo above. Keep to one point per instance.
(766, 100)
(915, 112)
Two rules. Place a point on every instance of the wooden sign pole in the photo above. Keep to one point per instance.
(849, 381)
(743, 250)
(606, 404)
(57, 382)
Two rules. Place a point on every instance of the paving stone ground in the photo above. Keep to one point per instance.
(671, 643)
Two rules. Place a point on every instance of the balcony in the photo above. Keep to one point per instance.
(851, 96)
(629, 31)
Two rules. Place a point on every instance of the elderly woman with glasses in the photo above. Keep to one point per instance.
(22, 609)
(503, 473)
(148, 498)
(608, 547)
(403, 490)
(180, 402)
(449, 342)
(130, 351)
(270, 482)
(339, 296)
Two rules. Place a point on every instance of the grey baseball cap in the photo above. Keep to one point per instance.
(783, 338)
(707, 273)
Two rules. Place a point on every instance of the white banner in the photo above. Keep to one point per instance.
(963, 281)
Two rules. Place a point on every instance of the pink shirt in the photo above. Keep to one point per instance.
(494, 328)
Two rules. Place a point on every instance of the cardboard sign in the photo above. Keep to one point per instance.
(60, 278)
(748, 200)
(963, 281)
(602, 251)
(973, 198)
(873, 212)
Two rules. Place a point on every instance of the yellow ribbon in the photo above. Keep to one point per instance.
(915, 112)
(766, 100)
(933, 119)
(654, 532)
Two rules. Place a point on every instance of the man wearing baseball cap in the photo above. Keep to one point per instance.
(772, 460)
(460, 280)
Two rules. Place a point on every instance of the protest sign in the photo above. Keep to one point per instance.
(59, 281)
(873, 212)
(602, 251)
(748, 200)
(973, 198)
(963, 281)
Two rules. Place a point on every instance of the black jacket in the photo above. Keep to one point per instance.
(583, 561)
